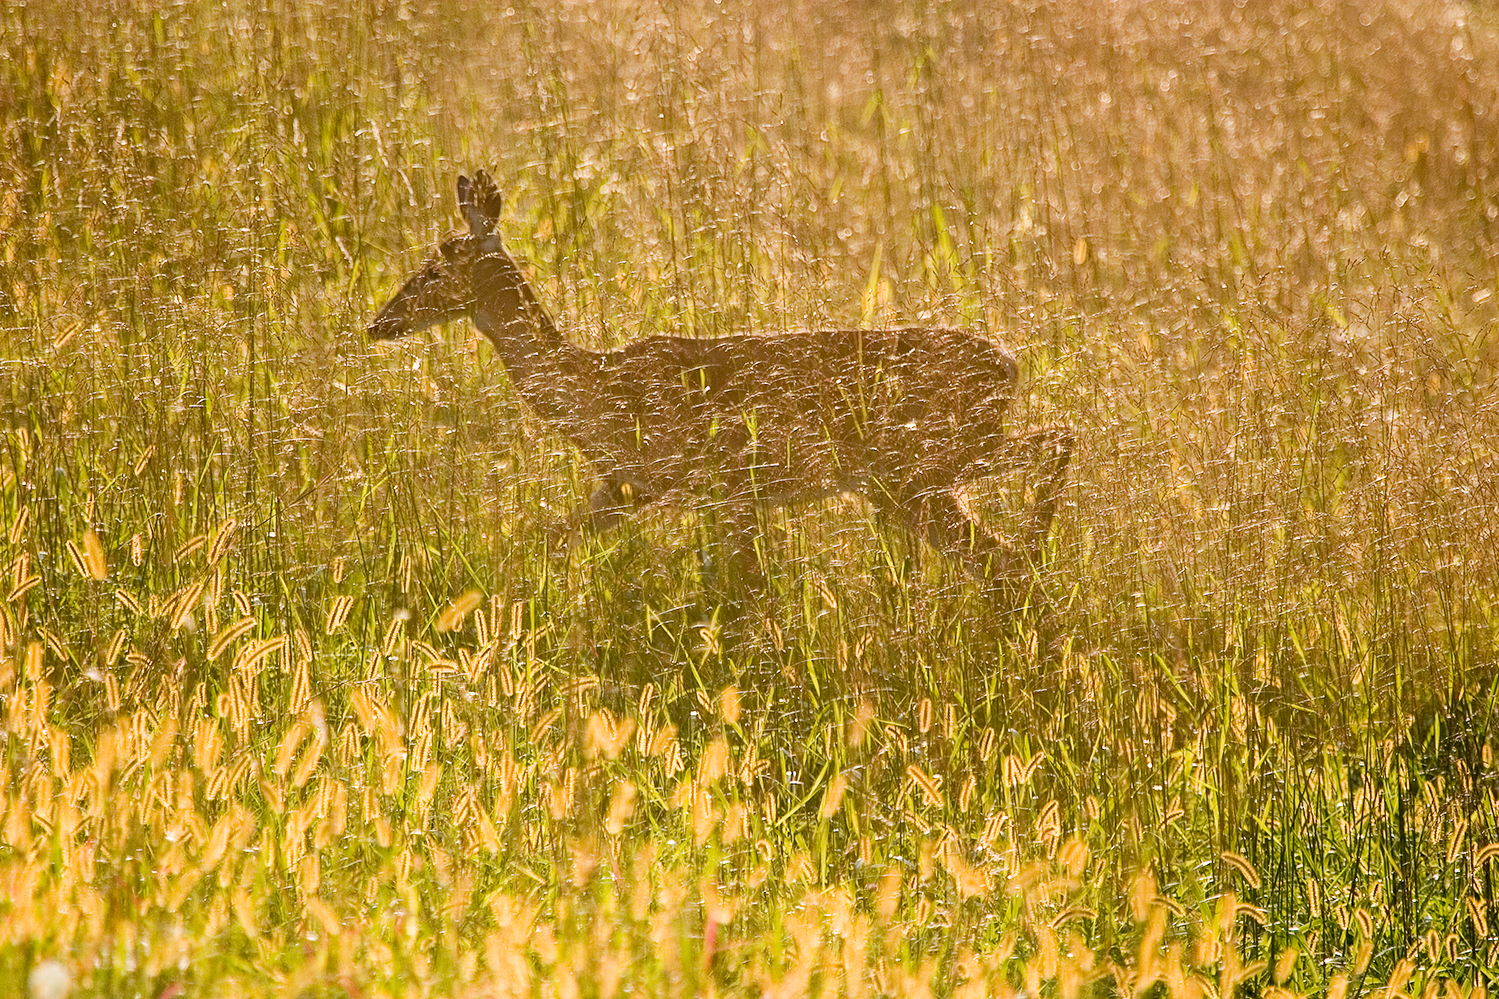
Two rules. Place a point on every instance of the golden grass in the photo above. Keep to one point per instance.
(294, 699)
(408, 827)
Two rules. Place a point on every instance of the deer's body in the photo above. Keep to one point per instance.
(904, 417)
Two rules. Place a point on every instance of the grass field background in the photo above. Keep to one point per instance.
(294, 702)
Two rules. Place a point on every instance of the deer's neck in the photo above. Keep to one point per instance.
(548, 371)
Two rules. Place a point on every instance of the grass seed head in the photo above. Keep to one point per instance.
(453, 616)
(93, 556)
(858, 726)
(728, 705)
(832, 797)
(18, 525)
(338, 613)
(621, 807)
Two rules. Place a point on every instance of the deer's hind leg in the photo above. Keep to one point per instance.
(938, 511)
(942, 519)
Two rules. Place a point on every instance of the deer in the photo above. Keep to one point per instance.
(904, 417)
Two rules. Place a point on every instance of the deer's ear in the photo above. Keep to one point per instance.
(486, 195)
(465, 190)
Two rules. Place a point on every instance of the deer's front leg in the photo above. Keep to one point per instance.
(617, 496)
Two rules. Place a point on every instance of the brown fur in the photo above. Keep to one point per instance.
(904, 417)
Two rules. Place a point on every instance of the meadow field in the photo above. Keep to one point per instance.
(295, 699)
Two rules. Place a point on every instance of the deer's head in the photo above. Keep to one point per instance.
(442, 289)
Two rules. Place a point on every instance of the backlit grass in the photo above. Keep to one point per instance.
(293, 699)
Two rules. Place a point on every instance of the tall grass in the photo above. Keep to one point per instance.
(295, 700)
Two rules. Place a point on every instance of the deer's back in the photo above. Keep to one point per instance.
(799, 411)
